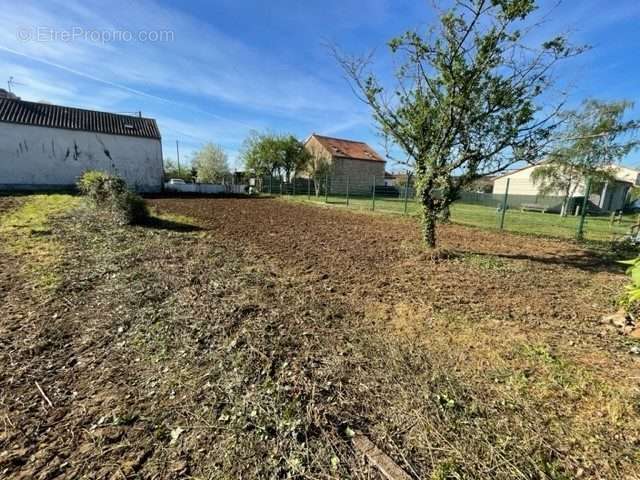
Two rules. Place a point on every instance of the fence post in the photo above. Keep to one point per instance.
(504, 204)
(406, 194)
(326, 188)
(583, 211)
(347, 191)
(270, 184)
(373, 194)
(280, 186)
(309, 188)
(293, 187)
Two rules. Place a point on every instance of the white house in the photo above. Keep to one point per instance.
(608, 197)
(45, 146)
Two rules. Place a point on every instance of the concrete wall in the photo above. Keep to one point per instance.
(37, 157)
(210, 188)
(608, 198)
(520, 183)
(611, 197)
(618, 196)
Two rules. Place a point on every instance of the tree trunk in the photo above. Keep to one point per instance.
(429, 217)
(445, 215)
(429, 232)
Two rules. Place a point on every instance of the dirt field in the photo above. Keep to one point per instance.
(243, 338)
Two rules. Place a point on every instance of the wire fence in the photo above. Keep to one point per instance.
(529, 214)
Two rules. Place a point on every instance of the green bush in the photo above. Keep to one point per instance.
(632, 292)
(131, 209)
(110, 195)
(101, 187)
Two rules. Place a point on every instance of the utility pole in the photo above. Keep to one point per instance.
(178, 155)
(373, 194)
(326, 188)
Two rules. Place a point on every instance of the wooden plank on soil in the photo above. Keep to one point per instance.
(389, 469)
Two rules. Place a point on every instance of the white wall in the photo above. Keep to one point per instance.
(50, 157)
(211, 188)
(520, 183)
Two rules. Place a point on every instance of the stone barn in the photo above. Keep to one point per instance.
(45, 146)
(351, 162)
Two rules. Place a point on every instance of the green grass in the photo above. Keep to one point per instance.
(33, 214)
(487, 262)
(597, 229)
(156, 216)
(26, 231)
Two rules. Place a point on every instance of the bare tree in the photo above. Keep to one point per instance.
(467, 98)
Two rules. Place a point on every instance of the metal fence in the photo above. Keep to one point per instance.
(529, 214)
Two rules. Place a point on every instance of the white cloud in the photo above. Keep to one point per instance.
(202, 86)
(201, 61)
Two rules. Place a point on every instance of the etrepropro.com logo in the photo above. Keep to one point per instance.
(54, 34)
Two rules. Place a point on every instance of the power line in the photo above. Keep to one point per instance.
(178, 154)
(124, 87)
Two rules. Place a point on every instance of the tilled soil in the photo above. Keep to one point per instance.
(548, 284)
(243, 340)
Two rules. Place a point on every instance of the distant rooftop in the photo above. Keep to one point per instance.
(339, 147)
(620, 172)
(14, 110)
(6, 94)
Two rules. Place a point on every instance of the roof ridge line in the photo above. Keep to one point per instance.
(19, 100)
(338, 138)
(46, 115)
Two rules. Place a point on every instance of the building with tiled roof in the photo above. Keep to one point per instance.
(44, 146)
(354, 165)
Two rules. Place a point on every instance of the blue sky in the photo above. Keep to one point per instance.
(225, 67)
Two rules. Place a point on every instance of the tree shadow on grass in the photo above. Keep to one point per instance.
(587, 261)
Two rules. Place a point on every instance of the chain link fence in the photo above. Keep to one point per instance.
(529, 214)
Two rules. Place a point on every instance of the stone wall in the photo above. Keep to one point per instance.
(361, 173)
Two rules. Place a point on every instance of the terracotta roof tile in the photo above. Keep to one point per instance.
(55, 116)
(339, 147)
